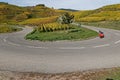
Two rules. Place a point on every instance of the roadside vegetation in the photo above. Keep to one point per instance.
(4, 28)
(105, 24)
(103, 74)
(108, 74)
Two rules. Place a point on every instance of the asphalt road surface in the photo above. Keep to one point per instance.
(18, 54)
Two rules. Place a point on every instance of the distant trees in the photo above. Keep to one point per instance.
(66, 18)
(41, 5)
(3, 3)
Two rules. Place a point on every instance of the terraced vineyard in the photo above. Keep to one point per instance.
(106, 13)
(39, 21)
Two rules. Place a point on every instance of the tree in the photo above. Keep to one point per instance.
(41, 5)
(66, 18)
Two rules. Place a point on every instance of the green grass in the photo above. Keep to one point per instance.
(4, 28)
(113, 73)
(105, 24)
(72, 34)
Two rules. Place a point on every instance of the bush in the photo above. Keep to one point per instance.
(8, 28)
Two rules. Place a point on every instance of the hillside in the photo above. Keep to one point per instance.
(38, 21)
(8, 12)
(12, 14)
(106, 13)
(73, 10)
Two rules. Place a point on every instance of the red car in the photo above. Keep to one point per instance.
(101, 34)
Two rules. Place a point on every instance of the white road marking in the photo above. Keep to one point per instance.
(36, 47)
(71, 47)
(101, 45)
(10, 42)
(20, 45)
(117, 42)
(13, 44)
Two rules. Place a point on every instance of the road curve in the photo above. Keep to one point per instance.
(18, 54)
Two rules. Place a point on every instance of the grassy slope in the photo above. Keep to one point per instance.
(38, 21)
(113, 73)
(82, 14)
(12, 14)
(106, 13)
(75, 34)
(8, 12)
(106, 17)
(105, 24)
(4, 28)
(15, 13)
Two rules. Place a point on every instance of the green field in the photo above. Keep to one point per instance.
(70, 34)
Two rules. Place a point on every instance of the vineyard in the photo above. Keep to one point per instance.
(95, 17)
(103, 16)
(92, 19)
(15, 14)
(81, 14)
(39, 21)
(50, 27)
(106, 13)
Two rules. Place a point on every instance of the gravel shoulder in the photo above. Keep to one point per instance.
(84, 75)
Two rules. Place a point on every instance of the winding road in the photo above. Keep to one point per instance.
(18, 54)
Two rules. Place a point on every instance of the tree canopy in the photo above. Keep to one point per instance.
(66, 18)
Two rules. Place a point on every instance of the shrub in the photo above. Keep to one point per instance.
(8, 28)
